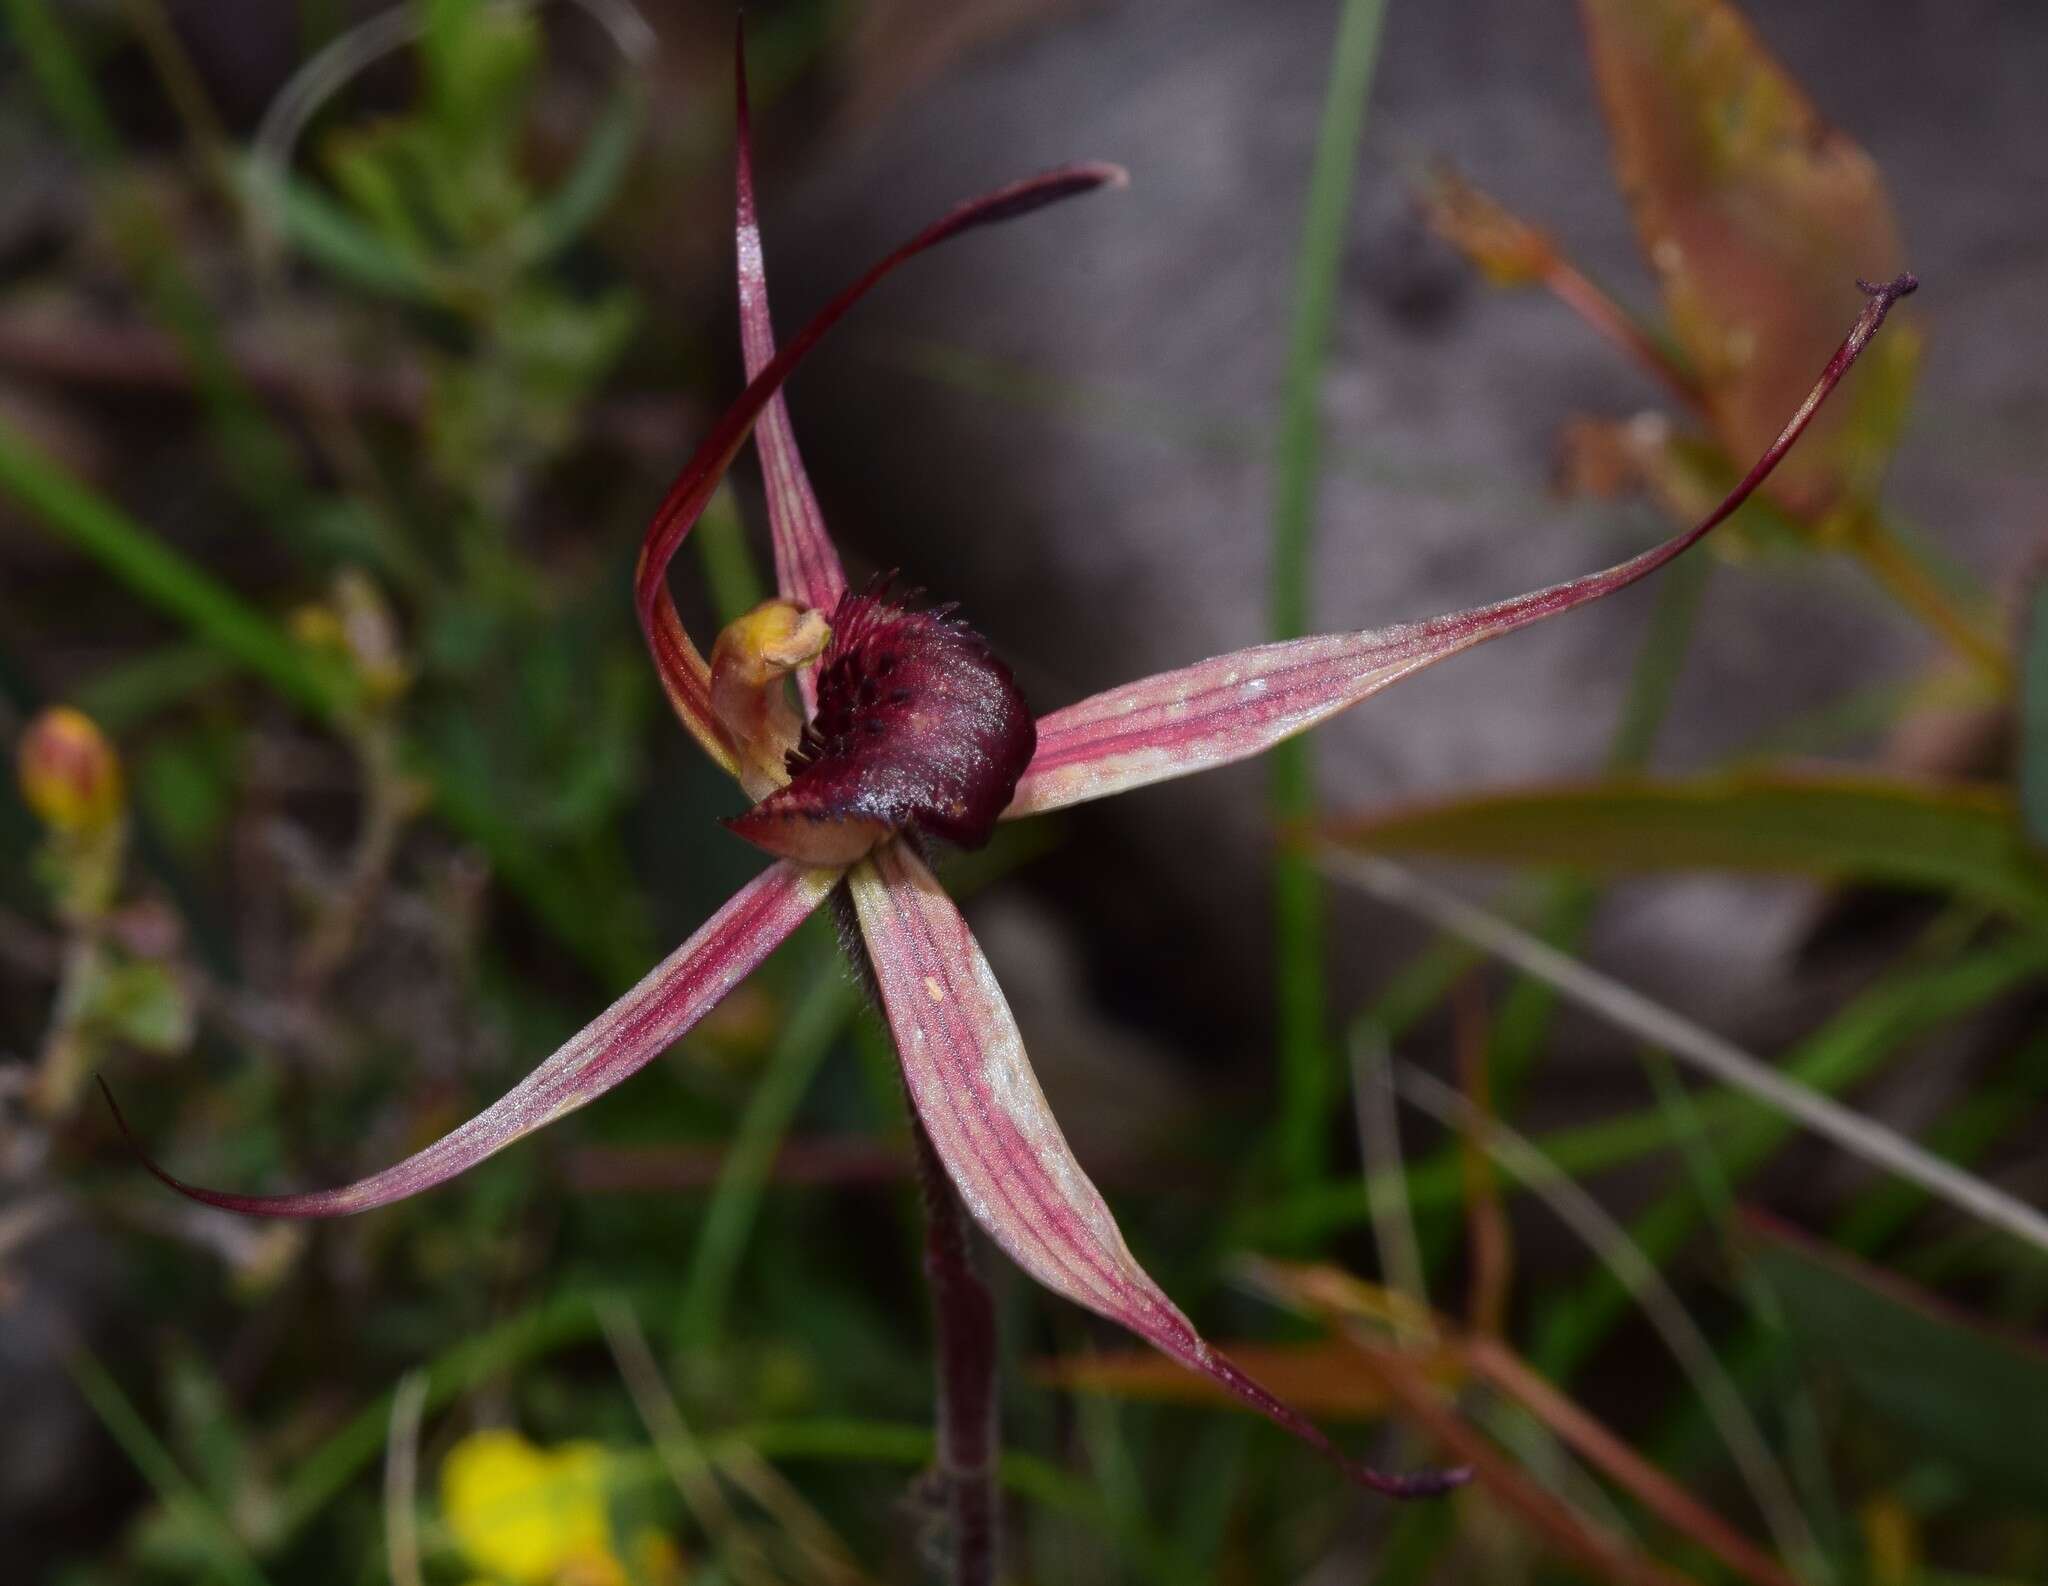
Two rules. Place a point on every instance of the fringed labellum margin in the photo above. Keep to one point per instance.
(918, 726)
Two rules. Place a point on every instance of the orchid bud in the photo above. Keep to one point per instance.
(70, 775)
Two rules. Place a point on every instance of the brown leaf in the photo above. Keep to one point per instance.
(1758, 218)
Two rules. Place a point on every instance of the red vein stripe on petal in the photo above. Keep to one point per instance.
(981, 1105)
(627, 1036)
(806, 564)
(1240, 704)
(684, 676)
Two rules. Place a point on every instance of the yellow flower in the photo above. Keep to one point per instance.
(531, 1516)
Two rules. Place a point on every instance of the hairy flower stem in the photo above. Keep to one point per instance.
(964, 1322)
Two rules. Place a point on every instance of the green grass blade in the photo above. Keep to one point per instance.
(1305, 1054)
(814, 1024)
(222, 620)
(1904, 1007)
(1979, 1120)
(1853, 1046)
(166, 580)
(564, 1319)
(1035, 1480)
(730, 567)
(174, 1489)
(260, 459)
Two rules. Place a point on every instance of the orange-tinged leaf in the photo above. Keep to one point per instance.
(1330, 1292)
(1758, 218)
(1325, 1379)
(1359, 1311)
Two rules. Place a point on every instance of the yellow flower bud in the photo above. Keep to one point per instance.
(70, 775)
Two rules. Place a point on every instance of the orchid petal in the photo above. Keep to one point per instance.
(807, 568)
(684, 676)
(627, 1036)
(1240, 704)
(980, 1103)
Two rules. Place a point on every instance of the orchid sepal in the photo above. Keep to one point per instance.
(685, 677)
(1237, 705)
(807, 566)
(621, 1041)
(981, 1106)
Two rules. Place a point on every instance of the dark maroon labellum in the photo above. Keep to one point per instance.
(918, 725)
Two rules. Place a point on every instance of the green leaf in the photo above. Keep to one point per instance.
(376, 170)
(1962, 838)
(1961, 1392)
(480, 63)
(334, 236)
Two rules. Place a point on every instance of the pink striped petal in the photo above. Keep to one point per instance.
(627, 1036)
(980, 1103)
(1237, 705)
(807, 567)
(684, 676)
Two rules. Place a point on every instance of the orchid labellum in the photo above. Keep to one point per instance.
(910, 732)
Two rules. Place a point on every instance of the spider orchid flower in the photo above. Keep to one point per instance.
(910, 733)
